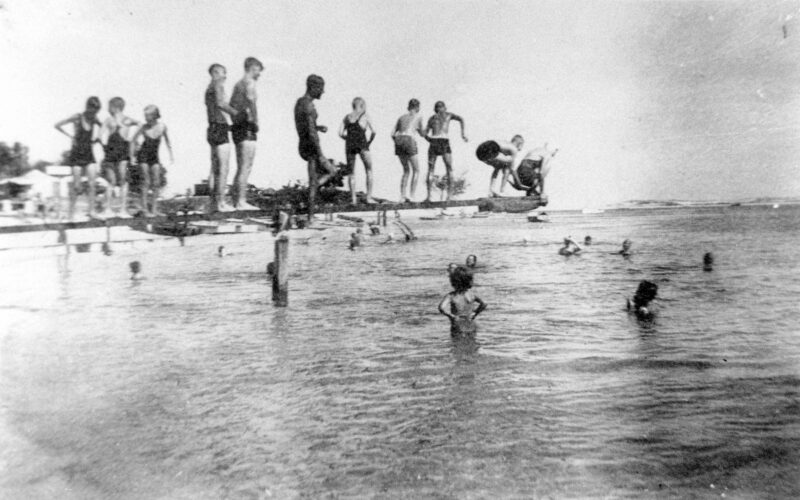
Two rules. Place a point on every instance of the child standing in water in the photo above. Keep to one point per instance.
(146, 156)
(642, 304)
(460, 304)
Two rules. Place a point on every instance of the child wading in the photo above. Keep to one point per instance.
(460, 304)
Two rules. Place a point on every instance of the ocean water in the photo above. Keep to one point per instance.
(190, 384)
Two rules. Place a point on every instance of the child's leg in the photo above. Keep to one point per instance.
(366, 159)
(155, 185)
(91, 172)
(414, 174)
(351, 179)
(122, 171)
(404, 178)
(429, 178)
(110, 175)
(448, 165)
(144, 186)
(74, 189)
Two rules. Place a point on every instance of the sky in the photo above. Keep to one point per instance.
(645, 100)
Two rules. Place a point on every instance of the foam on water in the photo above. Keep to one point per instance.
(189, 384)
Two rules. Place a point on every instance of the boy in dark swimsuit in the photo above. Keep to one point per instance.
(354, 131)
(217, 136)
(114, 136)
(437, 135)
(305, 121)
(244, 129)
(81, 157)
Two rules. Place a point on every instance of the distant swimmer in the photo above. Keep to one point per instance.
(135, 268)
(244, 129)
(626, 248)
(81, 156)
(451, 267)
(217, 136)
(353, 130)
(355, 239)
(472, 261)
(114, 135)
(437, 133)
(146, 157)
(405, 147)
(462, 305)
(569, 248)
(305, 121)
(587, 241)
(708, 262)
(500, 156)
(642, 305)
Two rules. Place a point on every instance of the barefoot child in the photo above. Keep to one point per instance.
(459, 305)
(114, 136)
(81, 156)
(353, 130)
(146, 156)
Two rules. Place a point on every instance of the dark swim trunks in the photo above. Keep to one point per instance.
(439, 147)
(530, 172)
(307, 150)
(405, 145)
(244, 131)
(217, 134)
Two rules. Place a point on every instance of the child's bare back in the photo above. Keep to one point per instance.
(461, 305)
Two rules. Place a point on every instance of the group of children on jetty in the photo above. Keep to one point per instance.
(133, 158)
(462, 305)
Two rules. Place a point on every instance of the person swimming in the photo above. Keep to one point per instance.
(708, 262)
(569, 248)
(642, 306)
(135, 268)
(587, 241)
(460, 305)
(626, 248)
(472, 261)
(355, 239)
(451, 267)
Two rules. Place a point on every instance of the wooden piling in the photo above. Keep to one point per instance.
(384, 218)
(280, 278)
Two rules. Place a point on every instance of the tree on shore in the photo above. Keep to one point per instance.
(13, 159)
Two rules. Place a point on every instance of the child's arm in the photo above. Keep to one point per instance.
(428, 129)
(445, 302)
(341, 127)
(481, 306)
(251, 101)
(134, 143)
(371, 129)
(105, 131)
(460, 120)
(169, 146)
(219, 92)
(65, 121)
(420, 130)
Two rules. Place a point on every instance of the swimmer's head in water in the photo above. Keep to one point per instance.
(451, 267)
(461, 279)
(708, 261)
(587, 240)
(472, 260)
(439, 107)
(626, 245)
(220, 249)
(151, 112)
(413, 105)
(135, 267)
(645, 294)
(271, 268)
(359, 104)
(315, 86)
(518, 141)
(116, 104)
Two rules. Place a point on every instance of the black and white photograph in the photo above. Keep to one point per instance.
(409, 249)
